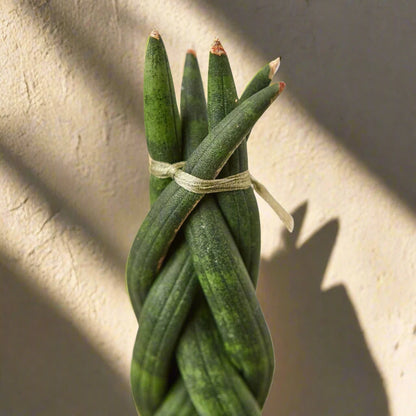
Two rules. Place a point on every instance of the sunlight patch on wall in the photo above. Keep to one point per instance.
(57, 259)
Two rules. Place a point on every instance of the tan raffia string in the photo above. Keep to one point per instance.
(236, 182)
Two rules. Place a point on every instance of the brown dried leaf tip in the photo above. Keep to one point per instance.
(274, 66)
(191, 51)
(217, 48)
(282, 86)
(155, 34)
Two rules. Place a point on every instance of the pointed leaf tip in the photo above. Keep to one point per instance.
(155, 34)
(216, 48)
(282, 86)
(191, 51)
(274, 66)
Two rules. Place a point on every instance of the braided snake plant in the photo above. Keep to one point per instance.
(203, 346)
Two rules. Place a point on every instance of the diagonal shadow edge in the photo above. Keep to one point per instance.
(81, 48)
(355, 85)
(51, 369)
(59, 203)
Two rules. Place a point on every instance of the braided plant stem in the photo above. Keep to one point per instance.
(203, 347)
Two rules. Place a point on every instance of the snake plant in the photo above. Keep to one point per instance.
(203, 346)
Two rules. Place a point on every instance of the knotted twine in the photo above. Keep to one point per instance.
(239, 181)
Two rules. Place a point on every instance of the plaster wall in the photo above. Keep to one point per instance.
(337, 148)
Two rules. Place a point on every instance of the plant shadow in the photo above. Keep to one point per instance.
(48, 368)
(324, 366)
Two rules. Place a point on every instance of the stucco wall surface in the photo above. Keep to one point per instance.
(337, 149)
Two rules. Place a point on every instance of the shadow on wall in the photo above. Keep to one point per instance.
(59, 203)
(96, 41)
(324, 366)
(48, 368)
(351, 65)
(90, 49)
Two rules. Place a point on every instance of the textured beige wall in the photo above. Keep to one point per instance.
(338, 147)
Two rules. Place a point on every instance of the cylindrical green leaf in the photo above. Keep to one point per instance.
(161, 116)
(193, 106)
(216, 388)
(238, 207)
(231, 297)
(163, 314)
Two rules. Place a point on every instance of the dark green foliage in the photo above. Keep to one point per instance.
(161, 116)
(222, 345)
